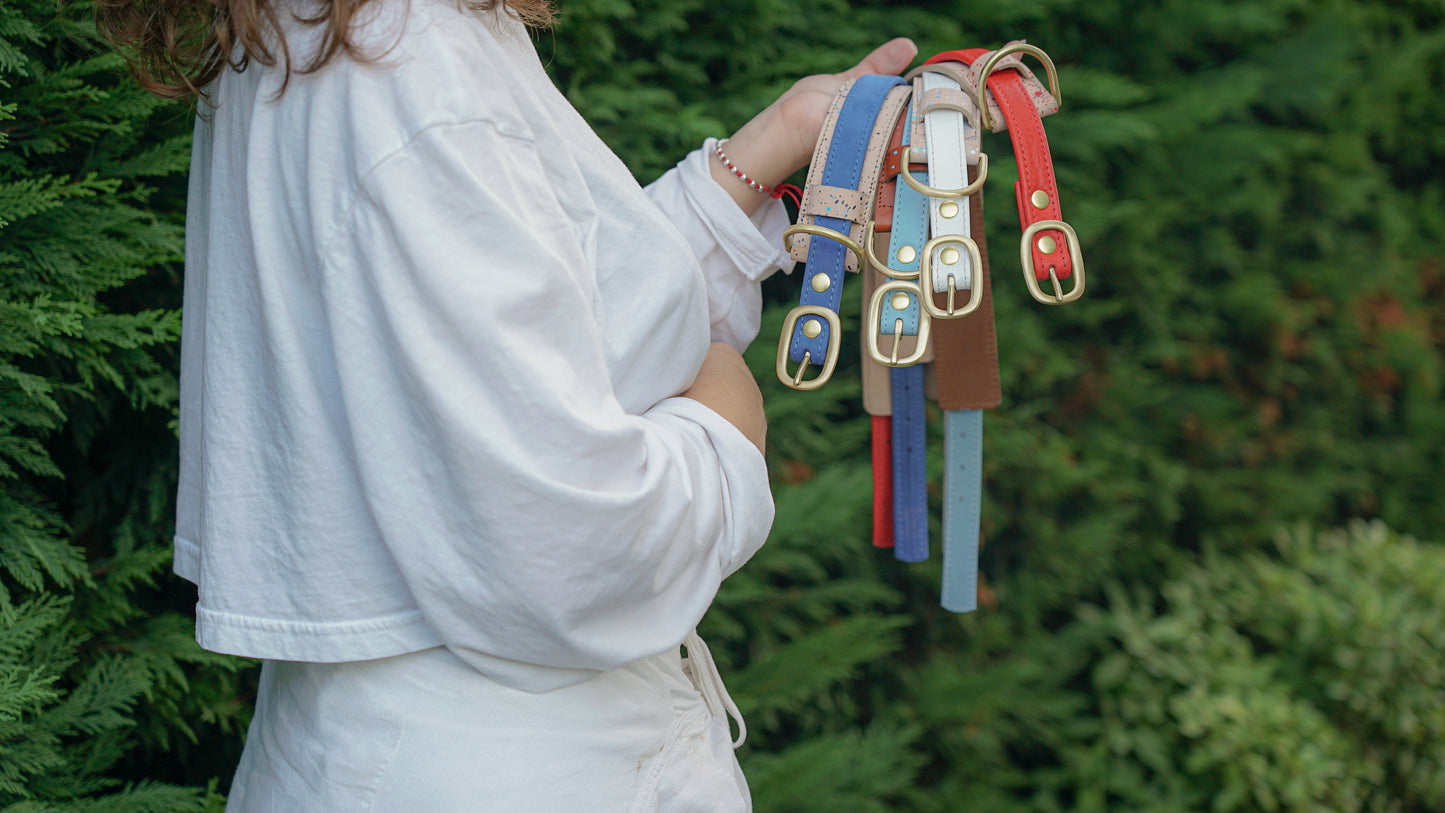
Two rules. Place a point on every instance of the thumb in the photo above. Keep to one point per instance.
(890, 58)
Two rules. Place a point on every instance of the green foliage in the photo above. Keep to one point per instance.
(1307, 678)
(851, 770)
(1256, 185)
(93, 671)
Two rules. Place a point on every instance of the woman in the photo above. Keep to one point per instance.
(466, 442)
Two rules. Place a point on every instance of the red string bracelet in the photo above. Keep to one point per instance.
(794, 193)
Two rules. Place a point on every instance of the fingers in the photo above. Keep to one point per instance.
(890, 58)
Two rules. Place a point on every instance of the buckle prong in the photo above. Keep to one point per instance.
(802, 368)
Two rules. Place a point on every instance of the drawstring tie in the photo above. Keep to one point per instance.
(703, 670)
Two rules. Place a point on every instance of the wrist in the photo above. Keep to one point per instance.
(758, 152)
(746, 190)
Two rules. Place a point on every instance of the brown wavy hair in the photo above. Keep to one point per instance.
(177, 47)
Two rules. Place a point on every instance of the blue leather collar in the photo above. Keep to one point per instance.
(844, 169)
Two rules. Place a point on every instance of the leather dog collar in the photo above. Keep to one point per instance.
(1049, 249)
(838, 204)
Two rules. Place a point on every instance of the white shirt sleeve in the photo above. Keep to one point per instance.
(533, 519)
(736, 251)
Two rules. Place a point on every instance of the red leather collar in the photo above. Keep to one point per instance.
(1036, 192)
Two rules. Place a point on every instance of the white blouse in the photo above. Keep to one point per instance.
(434, 335)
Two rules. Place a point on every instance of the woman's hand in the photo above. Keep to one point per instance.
(726, 386)
(779, 141)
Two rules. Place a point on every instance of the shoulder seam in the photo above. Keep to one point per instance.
(335, 230)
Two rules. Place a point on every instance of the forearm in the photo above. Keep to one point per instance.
(726, 386)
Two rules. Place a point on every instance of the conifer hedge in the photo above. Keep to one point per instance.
(99, 682)
(1262, 344)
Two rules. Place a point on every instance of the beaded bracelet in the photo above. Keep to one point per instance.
(743, 176)
(782, 189)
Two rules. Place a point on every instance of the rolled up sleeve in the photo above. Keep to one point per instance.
(736, 251)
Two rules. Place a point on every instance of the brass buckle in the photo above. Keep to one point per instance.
(875, 312)
(1076, 257)
(993, 60)
(785, 344)
(975, 292)
(872, 255)
(820, 282)
(935, 192)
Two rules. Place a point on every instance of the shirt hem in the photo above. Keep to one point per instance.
(186, 561)
(313, 641)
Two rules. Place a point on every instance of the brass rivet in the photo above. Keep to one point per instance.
(812, 328)
(907, 254)
(820, 284)
(1040, 199)
(900, 301)
(948, 209)
(949, 256)
(1047, 244)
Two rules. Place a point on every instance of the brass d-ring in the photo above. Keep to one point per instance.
(823, 231)
(869, 231)
(933, 191)
(993, 60)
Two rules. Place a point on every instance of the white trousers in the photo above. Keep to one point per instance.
(425, 733)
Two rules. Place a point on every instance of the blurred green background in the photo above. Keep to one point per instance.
(1202, 588)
